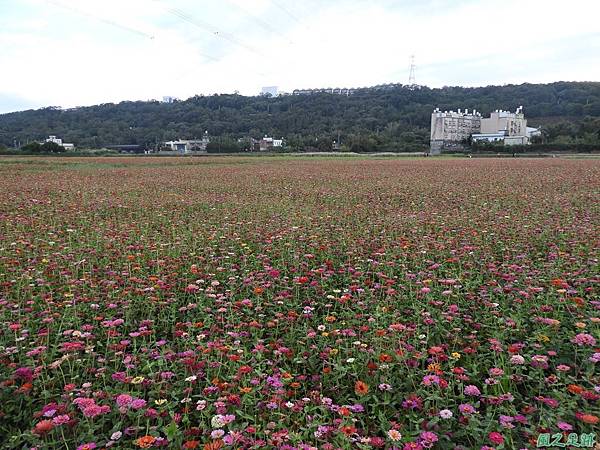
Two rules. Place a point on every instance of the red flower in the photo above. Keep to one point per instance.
(496, 437)
(43, 427)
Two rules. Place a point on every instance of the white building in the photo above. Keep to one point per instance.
(269, 143)
(60, 142)
(189, 145)
(511, 128)
(450, 128)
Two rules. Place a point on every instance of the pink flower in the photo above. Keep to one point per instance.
(428, 380)
(466, 408)
(88, 446)
(59, 420)
(496, 372)
(92, 411)
(124, 400)
(138, 403)
(496, 437)
(584, 339)
(428, 438)
(472, 390)
(564, 426)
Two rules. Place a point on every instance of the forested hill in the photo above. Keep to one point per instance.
(393, 116)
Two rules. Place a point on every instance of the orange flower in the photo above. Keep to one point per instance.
(258, 290)
(344, 411)
(145, 441)
(294, 385)
(361, 388)
(214, 445)
(590, 418)
(575, 389)
(326, 369)
(245, 390)
(348, 430)
(385, 358)
(191, 444)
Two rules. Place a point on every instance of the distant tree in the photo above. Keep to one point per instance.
(32, 147)
(51, 147)
(223, 145)
(394, 118)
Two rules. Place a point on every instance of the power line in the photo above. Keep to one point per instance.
(259, 21)
(285, 10)
(205, 26)
(101, 19)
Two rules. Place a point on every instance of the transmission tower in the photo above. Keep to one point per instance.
(411, 76)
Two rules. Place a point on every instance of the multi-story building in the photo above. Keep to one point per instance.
(449, 129)
(506, 126)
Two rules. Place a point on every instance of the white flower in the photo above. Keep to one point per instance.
(217, 421)
(192, 378)
(394, 435)
(116, 436)
(445, 414)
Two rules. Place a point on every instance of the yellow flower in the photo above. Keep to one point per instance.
(543, 338)
(455, 355)
(137, 380)
(325, 334)
(160, 401)
(333, 351)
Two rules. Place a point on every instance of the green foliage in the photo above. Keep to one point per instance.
(46, 147)
(397, 118)
(33, 147)
(52, 147)
(223, 145)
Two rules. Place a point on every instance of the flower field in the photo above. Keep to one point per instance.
(298, 303)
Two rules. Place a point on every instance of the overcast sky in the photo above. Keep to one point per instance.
(81, 52)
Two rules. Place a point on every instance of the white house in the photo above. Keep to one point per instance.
(60, 142)
(189, 145)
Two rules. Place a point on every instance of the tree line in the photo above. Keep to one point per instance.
(394, 119)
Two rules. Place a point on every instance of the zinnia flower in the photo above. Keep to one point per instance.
(361, 388)
(472, 390)
(145, 441)
(445, 414)
(394, 435)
